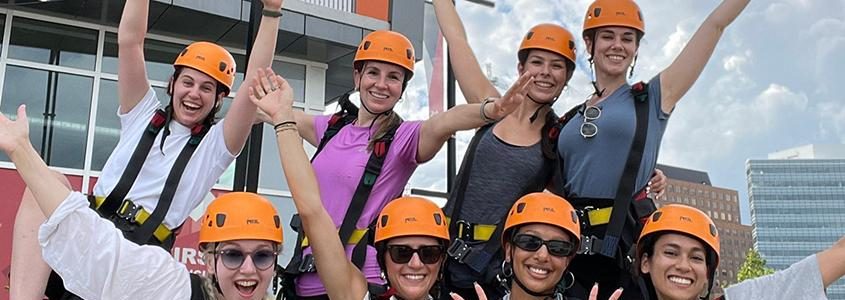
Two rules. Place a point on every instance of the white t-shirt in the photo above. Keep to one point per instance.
(802, 280)
(96, 262)
(208, 162)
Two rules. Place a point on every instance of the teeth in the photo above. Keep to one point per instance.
(538, 270)
(414, 276)
(190, 105)
(247, 283)
(379, 95)
(615, 57)
(543, 84)
(679, 280)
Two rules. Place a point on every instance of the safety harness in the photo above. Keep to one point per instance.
(348, 233)
(477, 258)
(139, 225)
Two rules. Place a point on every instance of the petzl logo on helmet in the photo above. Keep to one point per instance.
(252, 221)
(548, 209)
(410, 220)
(686, 219)
(388, 49)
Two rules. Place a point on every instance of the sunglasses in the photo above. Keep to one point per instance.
(532, 243)
(233, 258)
(588, 128)
(402, 254)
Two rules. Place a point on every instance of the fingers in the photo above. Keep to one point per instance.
(456, 296)
(594, 292)
(479, 291)
(22, 114)
(616, 294)
(256, 89)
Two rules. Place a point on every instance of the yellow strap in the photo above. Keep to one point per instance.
(480, 232)
(98, 200)
(356, 236)
(161, 232)
(600, 216)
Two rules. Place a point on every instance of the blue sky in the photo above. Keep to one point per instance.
(773, 82)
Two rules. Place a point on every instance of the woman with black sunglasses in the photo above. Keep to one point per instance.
(234, 227)
(540, 239)
(410, 235)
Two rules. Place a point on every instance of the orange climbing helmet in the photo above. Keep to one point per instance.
(549, 37)
(240, 216)
(387, 46)
(623, 13)
(677, 218)
(543, 208)
(210, 59)
(410, 216)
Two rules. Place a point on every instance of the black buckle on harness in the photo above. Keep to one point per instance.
(584, 219)
(307, 264)
(590, 245)
(465, 230)
(128, 211)
(459, 250)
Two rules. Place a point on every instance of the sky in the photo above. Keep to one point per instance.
(770, 85)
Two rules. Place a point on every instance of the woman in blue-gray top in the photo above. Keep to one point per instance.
(608, 148)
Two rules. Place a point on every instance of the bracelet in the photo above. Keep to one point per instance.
(286, 127)
(271, 13)
(285, 123)
(483, 114)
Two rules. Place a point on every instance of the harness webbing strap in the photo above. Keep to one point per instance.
(625, 189)
(136, 161)
(146, 230)
(197, 292)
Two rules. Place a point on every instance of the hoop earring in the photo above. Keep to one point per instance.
(507, 269)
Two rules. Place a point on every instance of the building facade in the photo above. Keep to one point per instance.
(797, 199)
(59, 57)
(693, 188)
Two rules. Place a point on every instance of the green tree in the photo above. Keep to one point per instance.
(753, 267)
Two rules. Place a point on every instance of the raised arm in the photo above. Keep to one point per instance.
(242, 112)
(132, 82)
(437, 129)
(832, 262)
(49, 192)
(471, 79)
(677, 79)
(340, 277)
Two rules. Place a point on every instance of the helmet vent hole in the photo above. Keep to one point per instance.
(571, 45)
(529, 35)
(367, 45)
(713, 231)
(184, 51)
(520, 207)
(383, 221)
(438, 219)
(277, 221)
(222, 66)
(409, 54)
(597, 12)
(220, 220)
(656, 216)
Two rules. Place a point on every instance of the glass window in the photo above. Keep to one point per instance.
(107, 129)
(159, 57)
(295, 75)
(58, 105)
(54, 44)
(270, 175)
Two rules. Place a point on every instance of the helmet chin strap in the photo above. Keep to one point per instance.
(542, 104)
(529, 291)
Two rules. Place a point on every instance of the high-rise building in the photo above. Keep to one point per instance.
(693, 188)
(797, 201)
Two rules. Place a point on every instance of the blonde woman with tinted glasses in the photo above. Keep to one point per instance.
(410, 234)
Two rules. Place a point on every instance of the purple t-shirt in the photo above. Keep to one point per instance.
(339, 168)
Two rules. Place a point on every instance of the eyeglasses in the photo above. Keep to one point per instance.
(588, 128)
(532, 243)
(402, 254)
(234, 258)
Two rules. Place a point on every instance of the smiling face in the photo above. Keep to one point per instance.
(246, 281)
(194, 96)
(414, 279)
(677, 267)
(550, 74)
(615, 49)
(539, 271)
(380, 85)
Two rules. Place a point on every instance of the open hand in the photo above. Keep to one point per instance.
(272, 95)
(657, 184)
(14, 134)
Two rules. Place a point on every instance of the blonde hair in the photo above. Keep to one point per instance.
(390, 120)
(209, 290)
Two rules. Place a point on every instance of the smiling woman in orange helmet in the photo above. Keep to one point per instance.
(506, 159)
(240, 236)
(410, 235)
(154, 141)
(352, 142)
(678, 256)
(608, 148)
